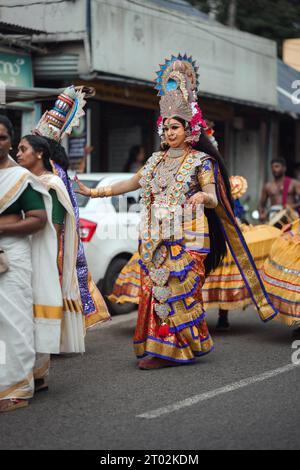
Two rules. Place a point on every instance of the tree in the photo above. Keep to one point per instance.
(272, 19)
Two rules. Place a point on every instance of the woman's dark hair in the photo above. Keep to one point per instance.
(40, 144)
(217, 238)
(8, 125)
(218, 246)
(133, 153)
(58, 154)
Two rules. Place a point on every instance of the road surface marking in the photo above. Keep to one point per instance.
(214, 393)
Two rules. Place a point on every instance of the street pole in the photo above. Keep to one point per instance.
(232, 8)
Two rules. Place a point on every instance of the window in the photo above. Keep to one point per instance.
(127, 202)
(83, 200)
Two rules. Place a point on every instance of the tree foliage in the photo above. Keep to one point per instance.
(272, 19)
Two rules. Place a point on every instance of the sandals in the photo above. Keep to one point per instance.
(12, 404)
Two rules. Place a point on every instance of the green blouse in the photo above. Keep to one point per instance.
(58, 210)
(31, 200)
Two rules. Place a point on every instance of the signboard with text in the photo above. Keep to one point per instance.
(16, 69)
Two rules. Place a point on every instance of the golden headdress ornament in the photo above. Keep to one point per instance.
(66, 113)
(177, 83)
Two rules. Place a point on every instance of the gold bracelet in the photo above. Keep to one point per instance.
(94, 193)
(104, 191)
(108, 191)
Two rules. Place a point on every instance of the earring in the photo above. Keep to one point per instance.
(40, 157)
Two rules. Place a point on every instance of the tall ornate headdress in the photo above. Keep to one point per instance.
(66, 113)
(177, 84)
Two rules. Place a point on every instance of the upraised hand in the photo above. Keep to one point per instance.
(83, 190)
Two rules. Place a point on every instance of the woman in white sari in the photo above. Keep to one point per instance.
(34, 155)
(25, 239)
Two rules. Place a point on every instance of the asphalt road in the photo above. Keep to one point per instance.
(95, 401)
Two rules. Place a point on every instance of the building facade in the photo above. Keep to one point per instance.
(116, 46)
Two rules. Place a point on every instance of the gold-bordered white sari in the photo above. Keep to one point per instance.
(23, 289)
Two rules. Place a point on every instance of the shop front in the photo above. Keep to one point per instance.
(119, 117)
(16, 73)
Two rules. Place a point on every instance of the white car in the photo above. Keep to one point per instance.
(109, 231)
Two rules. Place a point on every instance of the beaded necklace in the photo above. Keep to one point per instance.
(171, 199)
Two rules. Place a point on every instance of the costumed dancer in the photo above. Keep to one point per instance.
(224, 288)
(127, 285)
(176, 254)
(281, 275)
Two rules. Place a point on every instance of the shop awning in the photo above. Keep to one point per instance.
(18, 94)
(22, 98)
(11, 28)
(144, 83)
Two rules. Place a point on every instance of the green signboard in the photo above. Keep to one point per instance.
(16, 70)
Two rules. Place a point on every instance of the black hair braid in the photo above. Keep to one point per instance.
(58, 154)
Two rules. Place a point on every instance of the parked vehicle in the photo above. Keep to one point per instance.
(109, 231)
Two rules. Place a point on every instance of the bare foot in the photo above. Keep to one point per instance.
(156, 363)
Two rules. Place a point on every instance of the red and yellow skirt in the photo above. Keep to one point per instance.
(189, 336)
(224, 288)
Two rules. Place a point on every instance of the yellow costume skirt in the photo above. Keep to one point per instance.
(189, 336)
(128, 284)
(225, 288)
(281, 275)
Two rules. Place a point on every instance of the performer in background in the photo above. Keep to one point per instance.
(281, 275)
(281, 192)
(225, 288)
(187, 217)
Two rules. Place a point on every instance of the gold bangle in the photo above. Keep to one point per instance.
(94, 192)
(97, 192)
(105, 191)
(108, 191)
